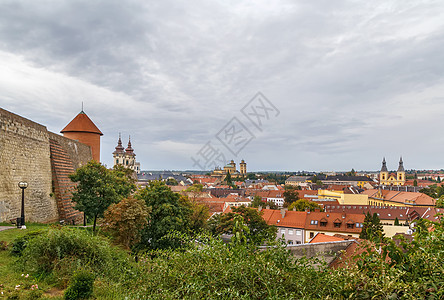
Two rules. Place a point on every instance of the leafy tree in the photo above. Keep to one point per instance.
(199, 213)
(98, 188)
(351, 173)
(415, 182)
(396, 221)
(251, 176)
(125, 220)
(228, 179)
(303, 204)
(257, 201)
(290, 195)
(240, 230)
(440, 202)
(167, 214)
(171, 181)
(259, 229)
(372, 228)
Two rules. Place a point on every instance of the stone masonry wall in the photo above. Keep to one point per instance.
(66, 156)
(28, 152)
(24, 156)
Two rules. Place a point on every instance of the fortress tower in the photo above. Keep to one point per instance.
(82, 129)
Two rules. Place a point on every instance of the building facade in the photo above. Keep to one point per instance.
(386, 178)
(126, 157)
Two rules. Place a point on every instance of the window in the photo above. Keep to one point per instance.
(337, 224)
(323, 223)
(290, 231)
(312, 235)
(298, 242)
(282, 231)
(314, 222)
(349, 225)
(290, 242)
(298, 232)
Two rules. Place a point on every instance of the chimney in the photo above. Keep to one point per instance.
(343, 215)
(283, 211)
(259, 208)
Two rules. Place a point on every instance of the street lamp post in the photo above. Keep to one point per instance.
(23, 185)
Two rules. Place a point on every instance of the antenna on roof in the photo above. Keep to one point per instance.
(82, 108)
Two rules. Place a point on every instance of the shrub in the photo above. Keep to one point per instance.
(125, 220)
(65, 250)
(81, 286)
(20, 243)
(3, 245)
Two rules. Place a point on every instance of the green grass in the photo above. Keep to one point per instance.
(10, 277)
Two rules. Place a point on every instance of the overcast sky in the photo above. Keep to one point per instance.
(350, 81)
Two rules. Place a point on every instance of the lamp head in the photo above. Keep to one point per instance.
(23, 184)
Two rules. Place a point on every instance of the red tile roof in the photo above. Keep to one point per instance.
(81, 123)
(313, 222)
(323, 238)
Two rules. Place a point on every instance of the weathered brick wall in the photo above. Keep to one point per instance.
(28, 152)
(66, 156)
(24, 156)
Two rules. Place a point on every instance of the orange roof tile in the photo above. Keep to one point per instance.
(81, 123)
(323, 238)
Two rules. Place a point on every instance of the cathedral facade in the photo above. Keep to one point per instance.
(126, 157)
(386, 178)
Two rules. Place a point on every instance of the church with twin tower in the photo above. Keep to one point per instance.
(386, 178)
(126, 157)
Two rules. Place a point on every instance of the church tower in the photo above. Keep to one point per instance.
(243, 168)
(126, 157)
(400, 174)
(82, 129)
(119, 153)
(383, 174)
(130, 156)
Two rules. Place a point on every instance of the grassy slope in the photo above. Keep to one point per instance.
(11, 277)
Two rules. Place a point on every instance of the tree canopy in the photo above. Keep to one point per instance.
(167, 214)
(303, 204)
(98, 187)
(372, 228)
(259, 230)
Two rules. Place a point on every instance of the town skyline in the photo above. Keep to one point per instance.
(352, 83)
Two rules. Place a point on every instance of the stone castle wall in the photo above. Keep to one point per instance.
(25, 155)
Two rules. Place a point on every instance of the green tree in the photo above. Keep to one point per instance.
(97, 188)
(396, 221)
(167, 214)
(125, 220)
(257, 201)
(303, 204)
(199, 213)
(372, 228)
(290, 195)
(260, 231)
(171, 181)
(415, 182)
(228, 179)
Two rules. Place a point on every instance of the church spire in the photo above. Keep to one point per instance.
(401, 165)
(119, 147)
(384, 166)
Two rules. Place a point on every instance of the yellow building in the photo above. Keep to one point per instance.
(344, 199)
(386, 178)
(231, 168)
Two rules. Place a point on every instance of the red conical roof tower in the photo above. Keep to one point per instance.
(82, 129)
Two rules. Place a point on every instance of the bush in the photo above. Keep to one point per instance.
(3, 245)
(20, 243)
(66, 250)
(81, 286)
